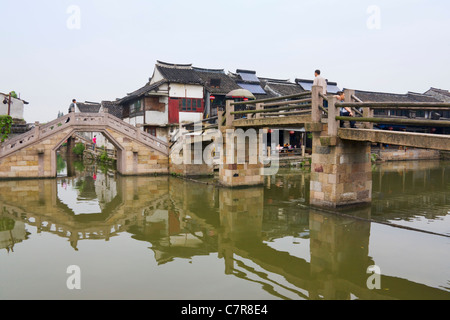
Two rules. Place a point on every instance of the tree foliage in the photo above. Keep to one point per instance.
(5, 127)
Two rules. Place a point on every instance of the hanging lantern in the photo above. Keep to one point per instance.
(291, 132)
(212, 98)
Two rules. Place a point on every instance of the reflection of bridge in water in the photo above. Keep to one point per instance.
(182, 220)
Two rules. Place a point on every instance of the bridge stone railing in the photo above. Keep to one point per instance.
(82, 122)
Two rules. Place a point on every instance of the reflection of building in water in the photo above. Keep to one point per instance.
(185, 220)
(36, 203)
(105, 187)
(406, 191)
(89, 193)
(183, 226)
(11, 233)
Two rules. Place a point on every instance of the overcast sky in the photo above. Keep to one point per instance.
(93, 50)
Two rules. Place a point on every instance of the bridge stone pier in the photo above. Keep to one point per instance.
(33, 154)
(341, 171)
(341, 174)
(187, 157)
(241, 166)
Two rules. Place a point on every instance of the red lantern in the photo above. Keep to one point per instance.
(212, 98)
(291, 132)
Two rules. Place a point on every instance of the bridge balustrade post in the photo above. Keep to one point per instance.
(229, 117)
(368, 113)
(219, 118)
(37, 127)
(316, 101)
(259, 106)
(138, 131)
(333, 124)
(349, 96)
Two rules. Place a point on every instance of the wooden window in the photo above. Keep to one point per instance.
(190, 105)
(135, 108)
(151, 130)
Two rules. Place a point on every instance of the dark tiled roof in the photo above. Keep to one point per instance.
(368, 96)
(441, 95)
(281, 87)
(141, 91)
(440, 91)
(178, 73)
(114, 108)
(226, 83)
(88, 107)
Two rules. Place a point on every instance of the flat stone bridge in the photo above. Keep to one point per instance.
(341, 173)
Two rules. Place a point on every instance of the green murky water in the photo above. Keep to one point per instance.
(166, 238)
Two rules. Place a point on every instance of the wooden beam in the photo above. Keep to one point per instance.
(303, 106)
(414, 122)
(283, 103)
(396, 105)
(298, 121)
(410, 139)
(292, 96)
(286, 113)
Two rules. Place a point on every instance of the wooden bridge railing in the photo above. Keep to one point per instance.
(364, 111)
(271, 107)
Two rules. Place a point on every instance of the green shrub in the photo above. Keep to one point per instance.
(79, 149)
(5, 127)
(104, 157)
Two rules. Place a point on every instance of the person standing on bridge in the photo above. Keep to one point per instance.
(320, 81)
(94, 141)
(73, 106)
(346, 111)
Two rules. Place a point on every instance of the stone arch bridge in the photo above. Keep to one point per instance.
(33, 154)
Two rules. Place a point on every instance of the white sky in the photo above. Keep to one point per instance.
(116, 47)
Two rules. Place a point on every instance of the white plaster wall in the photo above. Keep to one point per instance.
(191, 116)
(156, 76)
(135, 120)
(186, 91)
(157, 118)
(17, 106)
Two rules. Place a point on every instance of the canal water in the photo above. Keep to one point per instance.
(168, 238)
